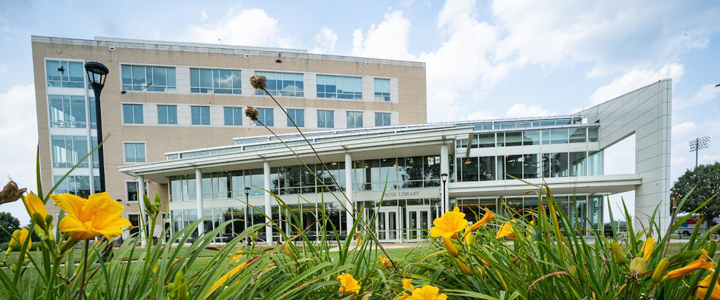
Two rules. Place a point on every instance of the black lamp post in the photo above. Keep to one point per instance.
(443, 177)
(247, 206)
(97, 73)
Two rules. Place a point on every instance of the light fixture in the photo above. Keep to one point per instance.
(333, 163)
(467, 161)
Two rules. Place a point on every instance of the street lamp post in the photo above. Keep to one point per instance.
(97, 73)
(444, 177)
(247, 206)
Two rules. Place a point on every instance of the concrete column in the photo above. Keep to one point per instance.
(198, 198)
(349, 193)
(444, 168)
(268, 207)
(143, 217)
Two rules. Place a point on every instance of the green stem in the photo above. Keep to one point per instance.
(82, 283)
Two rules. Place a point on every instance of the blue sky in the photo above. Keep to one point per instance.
(485, 59)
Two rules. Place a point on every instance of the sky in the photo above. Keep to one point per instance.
(485, 59)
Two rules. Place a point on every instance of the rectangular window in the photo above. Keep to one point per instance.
(148, 78)
(68, 150)
(382, 89)
(200, 115)
(354, 119)
(325, 119)
(531, 137)
(485, 140)
(382, 119)
(592, 134)
(76, 185)
(233, 116)
(513, 139)
(339, 87)
(282, 84)
(265, 115)
(167, 114)
(67, 111)
(577, 135)
(68, 74)
(214, 81)
(134, 152)
(558, 136)
(132, 113)
(132, 188)
(297, 115)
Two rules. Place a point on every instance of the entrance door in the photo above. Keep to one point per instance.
(418, 223)
(387, 224)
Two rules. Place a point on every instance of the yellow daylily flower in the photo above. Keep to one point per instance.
(427, 292)
(348, 284)
(225, 277)
(647, 248)
(384, 261)
(703, 287)
(702, 263)
(451, 249)
(449, 224)
(506, 230)
(89, 218)
(33, 204)
(407, 283)
(18, 239)
(468, 231)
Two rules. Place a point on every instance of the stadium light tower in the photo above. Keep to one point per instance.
(697, 144)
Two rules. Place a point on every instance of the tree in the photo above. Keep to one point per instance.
(9, 224)
(706, 181)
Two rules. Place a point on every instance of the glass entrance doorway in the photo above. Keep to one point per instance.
(387, 224)
(418, 223)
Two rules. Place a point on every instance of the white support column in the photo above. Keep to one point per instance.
(198, 198)
(444, 168)
(143, 217)
(268, 207)
(349, 193)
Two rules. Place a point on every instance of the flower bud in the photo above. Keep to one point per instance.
(464, 267)
(450, 247)
(660, 270)
(638, 265)
(617, 253)
(254, 236)
(149, 208)
(49, 220)
(39, 220)
(158, 201)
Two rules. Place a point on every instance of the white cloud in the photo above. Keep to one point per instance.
(325, 40)
(389, 39)
(704, 95)
(525, 110)
(683, 128)
(642, 34)
(245, 27)
(634, 79)
(481, 115)
(18, 121)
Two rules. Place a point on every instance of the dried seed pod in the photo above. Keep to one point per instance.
(252, 113)
(11, 192)
(258, 82)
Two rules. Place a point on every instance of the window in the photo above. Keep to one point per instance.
(354, 119)
(233, 116)
(69, 74)
(298, 115)
(382, 119)
(167, 114)
(339, 87)
(382, 89)
(200, 115)
(147, 78)
(134, 152)
(67, 111)
(577, 135)
(558, 136)
(282, 84)
(76, 185)
(132, 113)
(209, 81)
(68, 150)
(132, 188)
(265, 115)
(592, 134)
(326, 119)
